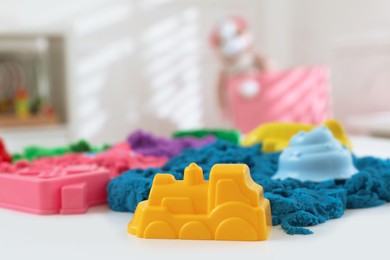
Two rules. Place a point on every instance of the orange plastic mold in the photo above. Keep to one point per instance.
(230, 206)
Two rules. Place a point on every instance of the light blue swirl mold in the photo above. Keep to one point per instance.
(315, 156)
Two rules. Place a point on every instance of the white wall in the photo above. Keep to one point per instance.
(351, 36)
(318, 24)
(151, 67)
(132, 63)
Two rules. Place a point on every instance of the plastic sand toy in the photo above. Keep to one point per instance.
(230, 206)
(315, 156)
(276, 136)
(232, 135)
(44, 189)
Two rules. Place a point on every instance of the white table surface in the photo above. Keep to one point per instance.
(101, 234)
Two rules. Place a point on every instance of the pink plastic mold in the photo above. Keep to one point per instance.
(44, 189)
(68, 184)
(295, 95)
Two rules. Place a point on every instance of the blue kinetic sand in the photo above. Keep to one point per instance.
(315, 156)
(294, 204)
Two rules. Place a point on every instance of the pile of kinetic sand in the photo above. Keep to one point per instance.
(230, 135)
(295, 205)
(35, 152)
(151, 145)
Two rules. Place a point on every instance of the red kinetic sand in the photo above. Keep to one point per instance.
(296, 95)
(4, 155)
(117, 159)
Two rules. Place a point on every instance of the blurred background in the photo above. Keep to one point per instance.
(99, 69)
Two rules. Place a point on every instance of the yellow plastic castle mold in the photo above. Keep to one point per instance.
(230, 206)
(276, 136)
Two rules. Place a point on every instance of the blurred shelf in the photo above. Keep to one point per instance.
(12, 121)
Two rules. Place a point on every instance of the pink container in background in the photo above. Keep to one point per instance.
(294, 95)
